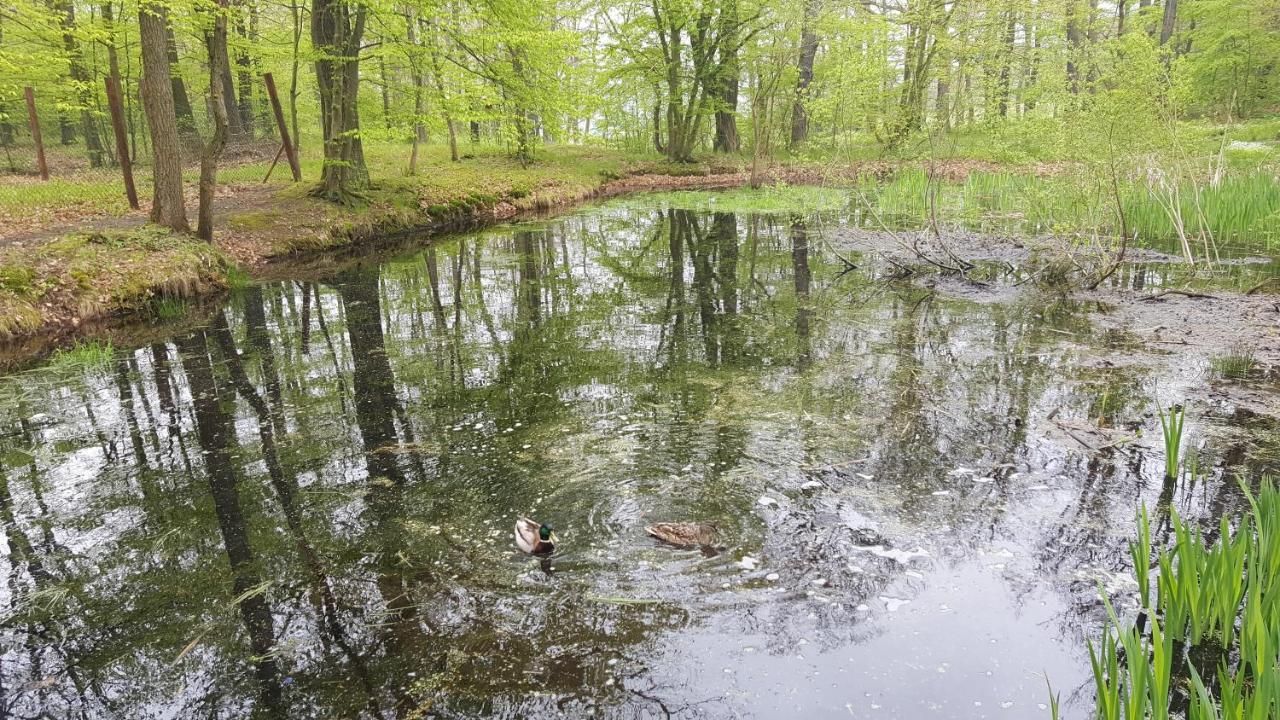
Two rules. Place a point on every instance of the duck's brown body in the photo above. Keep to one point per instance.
(685, 535)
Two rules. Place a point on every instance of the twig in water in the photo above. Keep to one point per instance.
(1184, 293)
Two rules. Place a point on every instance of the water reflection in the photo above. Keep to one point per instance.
(304, 508)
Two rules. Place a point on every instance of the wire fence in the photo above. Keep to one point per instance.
(59, 164)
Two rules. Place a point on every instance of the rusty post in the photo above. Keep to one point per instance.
(122, 144)
(289, 150)
(34, 121)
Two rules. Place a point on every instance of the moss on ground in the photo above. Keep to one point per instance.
(90, 275)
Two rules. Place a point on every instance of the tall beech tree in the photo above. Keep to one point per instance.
(215, 40)
(337, 30)
(167, 204)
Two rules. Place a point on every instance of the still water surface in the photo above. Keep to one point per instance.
(304, 507)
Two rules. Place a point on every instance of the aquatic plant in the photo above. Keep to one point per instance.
(85, 354)
(1207, 647)
(1235, 365)
(167, 308)
(1171, 425)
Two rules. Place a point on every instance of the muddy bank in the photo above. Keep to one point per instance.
(1153, 307)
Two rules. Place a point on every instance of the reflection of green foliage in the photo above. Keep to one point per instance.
(773, 200)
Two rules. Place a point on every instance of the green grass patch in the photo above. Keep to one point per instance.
(84, 355)
(1238, 364)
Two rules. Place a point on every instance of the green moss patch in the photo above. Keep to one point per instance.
(84, 276)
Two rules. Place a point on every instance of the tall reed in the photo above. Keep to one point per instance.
(1208, 647)
(1171, 425)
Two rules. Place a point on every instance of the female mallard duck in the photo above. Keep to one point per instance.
(535, 538)
(685, 535)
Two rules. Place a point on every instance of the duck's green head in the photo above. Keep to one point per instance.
(546, 533)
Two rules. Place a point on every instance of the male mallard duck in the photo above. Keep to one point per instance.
(685, 535)
(535, 538)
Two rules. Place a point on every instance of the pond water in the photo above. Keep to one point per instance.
(304, 507)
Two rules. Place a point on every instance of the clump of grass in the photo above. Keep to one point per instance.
(237, 277)
(1210, 650)
(85, 354)
(170, 308)
(1235, 365)
(1171, 425)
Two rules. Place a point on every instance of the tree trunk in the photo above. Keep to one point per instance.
(244, 77)
(941, 106)
(1169, 21)
(1073, 46)
(437, 75)
(385, 86)
(216, 44)
(167, 208)
(84, 86)
(727, 76)
(181, 103)
(804, 66)
(295, 9)
(229, 100)
(113, 57)
(1006, 62)
(727, 139)
(657, 123)
(6, 127)
(337, 29)
(1033, 69)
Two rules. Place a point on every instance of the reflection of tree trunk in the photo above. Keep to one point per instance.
(703, 276)
(800, 268)
(724, 228)
(216, 434)
(255, 321)
(286, 489)
(305, 321)
(21, 550)
(124, 390)
(676, 222)
(433, 276)
(376, 406)
(529, 308)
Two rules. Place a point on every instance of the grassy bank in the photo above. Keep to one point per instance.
(53, 284)
(85, 276)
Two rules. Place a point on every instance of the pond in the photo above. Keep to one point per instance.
(304, 506)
